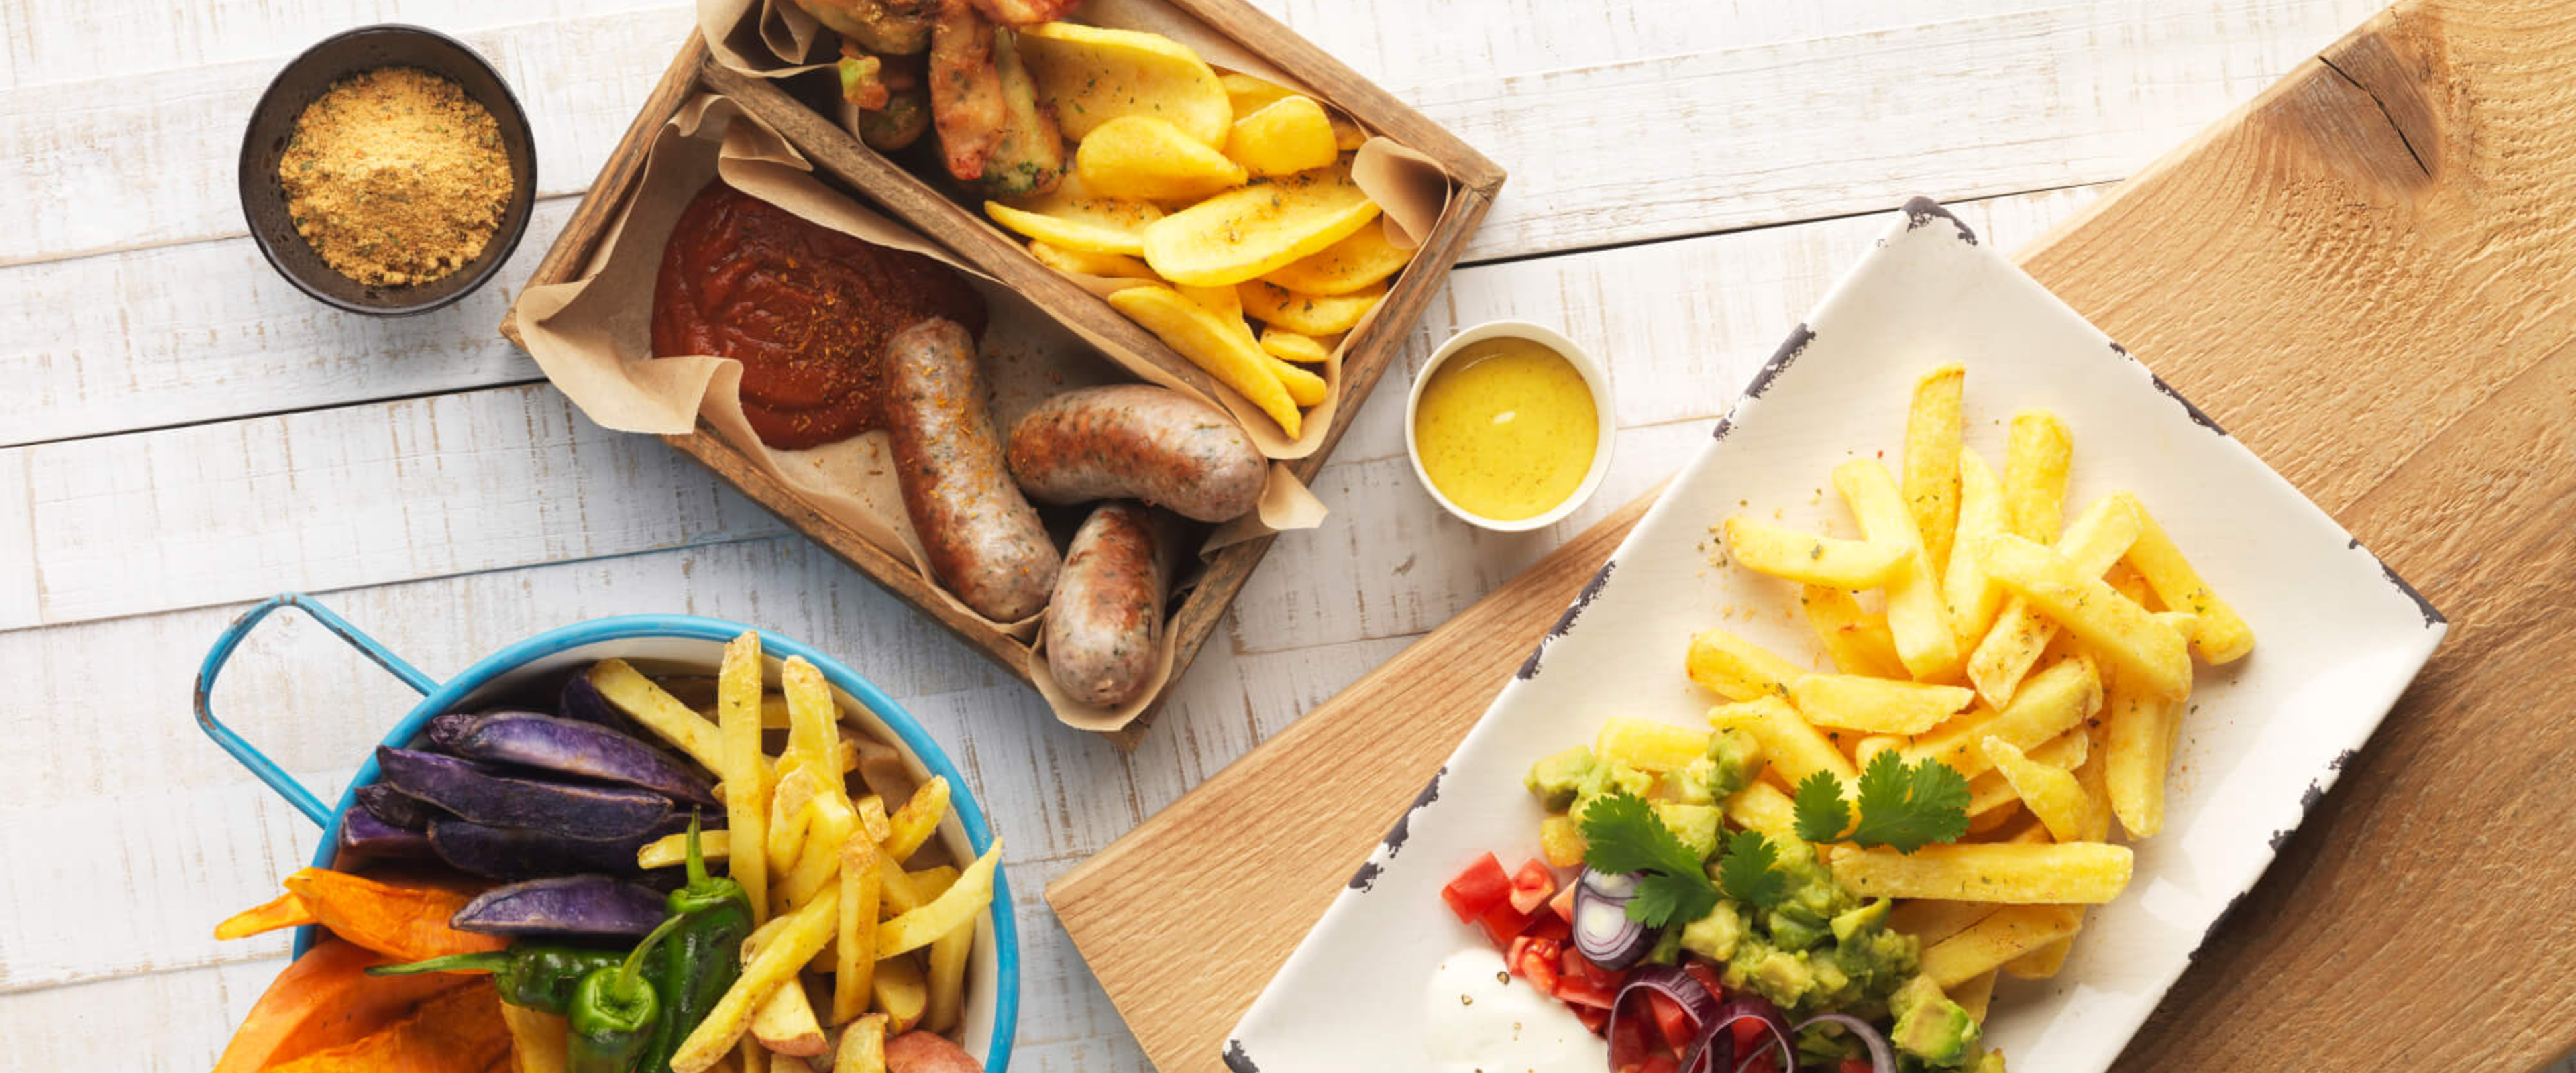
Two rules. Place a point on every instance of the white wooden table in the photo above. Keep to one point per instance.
(182, 433)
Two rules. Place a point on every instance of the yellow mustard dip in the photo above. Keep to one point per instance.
(1506, 429)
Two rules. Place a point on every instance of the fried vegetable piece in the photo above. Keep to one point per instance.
(1915, 615)
(2074, 873)
(1094, 74)
(1355, 262)
(2006, 934)
(966, 102)
(1244, 234)
(1309, 314)
(1148, 158)
(1026, 12)
(1029, 157)
(404, 920)
(1810, 559)
(458, 1031)
(2223, 635)
(325, 1000)
(1225, 350)
(2036, 456)
(1932, 457)
(1072, 217)
(884, 27)
(862, 80)
(1286, 136)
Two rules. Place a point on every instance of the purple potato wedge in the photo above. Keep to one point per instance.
(569, 747)
(485, 796)
(512, 853)
(363, 835)
(583, 701)
(396, 808)
(589, 905)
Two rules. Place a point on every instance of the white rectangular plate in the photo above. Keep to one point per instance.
(2338, 636)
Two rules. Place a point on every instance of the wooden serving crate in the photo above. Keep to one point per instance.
(908, 197)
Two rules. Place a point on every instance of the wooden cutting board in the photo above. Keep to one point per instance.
(2368, 274)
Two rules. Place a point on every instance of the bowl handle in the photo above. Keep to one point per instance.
(304, 800)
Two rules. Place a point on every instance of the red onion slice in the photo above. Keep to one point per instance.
(1672, 983)
(1603, 931)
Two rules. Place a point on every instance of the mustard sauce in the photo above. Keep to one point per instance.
(1506, 429)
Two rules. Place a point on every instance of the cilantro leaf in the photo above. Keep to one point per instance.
(1823, 815)
(1747, 874)
(1622, 835)
(1907, 806)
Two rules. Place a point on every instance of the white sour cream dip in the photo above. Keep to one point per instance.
(1478, 1018)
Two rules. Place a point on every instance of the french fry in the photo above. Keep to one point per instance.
(901, 894)
(747, 785)
(1648, 745)
(862, 1046)
(2223, 635)
(1736, 669)
(1810, 559)
(749, 1056)
(798, 938)
(1932, 458)
(660, 712)
(947, 982)
(1990, 792)
(913, 823)
(2069, 873)
(2051, 793)
(1869, 747)
(901, 994)
(818, 864)
(2009, 933)
(672, 850)
(2053, 702)
(855, 962)
(813, 721)
(1760, 806)
(2014, 643)
(1875, 705)
(2094, 612)
(1971, 598)
(934, 881)
(2137, 753)
(1856, 640)
(872, 818)
(1795, 747)
(957, 905)
(2045, 961)
(784, 1023)
(2036, 457)
(789, 812)
(1930, 920)
(1915, 616)
(1975, 995)
(1983, 825)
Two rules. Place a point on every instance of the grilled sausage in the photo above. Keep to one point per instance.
(1138, 441)
(1105, 622)
(984, 540)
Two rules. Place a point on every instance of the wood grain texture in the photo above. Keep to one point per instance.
(2364, 273)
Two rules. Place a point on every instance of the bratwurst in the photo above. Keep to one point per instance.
(1104, 625)
(1138, 441)
(984, 540)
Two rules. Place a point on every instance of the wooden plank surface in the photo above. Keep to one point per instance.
(2364, 273)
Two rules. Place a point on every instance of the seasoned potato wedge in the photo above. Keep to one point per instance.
(1225, 350)
(1087, 263)
(1149, 159)
(1285, 137)
(1366, 257)
(1072, 217)
(1243, 234)
(1249, 95)
(1310, 314)
(1093, 74)
(1292, 346)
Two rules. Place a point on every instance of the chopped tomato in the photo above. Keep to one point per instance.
(1675, 1022)
(1765, 1063)
(1706, 974)
(1586, 984)
(1478, 889)
(1750, 1034)
(1563, 904)
(1593, 1017)
(1535, 960)
(1660, 1063)
(1502, 923)
(1531, 886)
(1547, 926)
(1856, 1065)
(1628, 1045)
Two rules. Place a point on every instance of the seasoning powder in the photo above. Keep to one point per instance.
(395, 176)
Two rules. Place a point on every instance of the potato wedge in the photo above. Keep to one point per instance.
(1736, 669)
(1365, 257)
(1932, 458)
(1244, 234)
(1915, 615)
(862, 1047)
(747, 791)
(2077, 872)
(1087, 263)
(1795, 747)
(2054, 701)
(1093, 75)
(2036, 457)
(1149, 159)
(1249, 95)
(2050, 793)
(1304, 387)
(1223, 303)
(901, 994)
(1972, 598)
(1856, 640)
(1286, 345)
(1811, 559)
(1875, 705)
(2013, 644)
(800, 937)
(2223, 635)
(1072, 217)
(1308, 314)
(1210, 343)
(785, 1023)
(2007, 934)
(1286, 136)
(2094, 612)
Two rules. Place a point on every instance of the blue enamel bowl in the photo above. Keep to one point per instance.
(655, 644)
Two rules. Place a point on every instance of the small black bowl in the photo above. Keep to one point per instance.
(305, 78)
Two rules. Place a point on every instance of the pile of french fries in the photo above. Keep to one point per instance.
(851, 944)
(2049, 663)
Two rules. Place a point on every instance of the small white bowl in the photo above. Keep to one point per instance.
(1593, 379)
